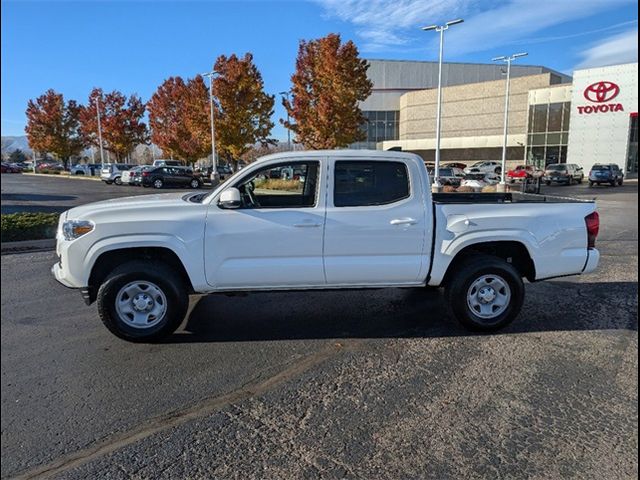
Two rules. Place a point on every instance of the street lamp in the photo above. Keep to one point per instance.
(286, 95)
(502, 186)
(214, 165)
(99, 132)
(437, 187)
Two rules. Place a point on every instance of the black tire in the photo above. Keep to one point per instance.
(581, 180)
(621, 181)
(167, 280)
(471, 269)
(158, 183)
(590, 183)
(613, 183)
(108, 182)
(195, 183)
(117, 181)
(547, 183)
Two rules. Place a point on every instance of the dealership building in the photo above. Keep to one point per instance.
(585, 119)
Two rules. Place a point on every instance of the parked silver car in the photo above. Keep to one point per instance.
(112, 172)
(89, 169)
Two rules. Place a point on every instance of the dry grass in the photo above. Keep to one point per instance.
(279, 184)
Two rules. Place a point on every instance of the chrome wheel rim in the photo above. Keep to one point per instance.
(195, 184)
(141, 304)
(157, 184)
(488, 296)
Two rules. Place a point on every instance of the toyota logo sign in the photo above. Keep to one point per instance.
(601, 92)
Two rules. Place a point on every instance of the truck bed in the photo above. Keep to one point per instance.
(509, 197)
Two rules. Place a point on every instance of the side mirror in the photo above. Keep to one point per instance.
(230, 198)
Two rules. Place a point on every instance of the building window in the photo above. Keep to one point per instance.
(379, 126)
(548, 133)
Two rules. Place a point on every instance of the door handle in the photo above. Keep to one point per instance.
(403, 221)
(307, 225)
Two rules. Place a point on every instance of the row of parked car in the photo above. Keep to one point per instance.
(163, 173)
(482, 174)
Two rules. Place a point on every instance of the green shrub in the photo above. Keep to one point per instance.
(29, 226)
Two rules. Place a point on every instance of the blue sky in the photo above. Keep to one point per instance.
(133, 46)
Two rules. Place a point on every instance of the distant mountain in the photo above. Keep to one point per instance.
(9, 144)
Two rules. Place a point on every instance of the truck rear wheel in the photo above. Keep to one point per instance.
(142, 301)
(486, 293)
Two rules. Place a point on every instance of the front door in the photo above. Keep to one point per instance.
(376, 224)
(274, 239)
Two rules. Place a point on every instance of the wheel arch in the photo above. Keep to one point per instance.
(512, 251)
(108, 260)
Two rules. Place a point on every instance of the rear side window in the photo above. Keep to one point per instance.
(361, 184)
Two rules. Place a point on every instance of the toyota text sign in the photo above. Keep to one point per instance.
(601, 94)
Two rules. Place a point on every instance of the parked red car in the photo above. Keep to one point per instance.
(522, 172)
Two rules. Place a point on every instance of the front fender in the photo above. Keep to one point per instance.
(189, 253)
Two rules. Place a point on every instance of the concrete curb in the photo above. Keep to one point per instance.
(28, 246)
(75, 177)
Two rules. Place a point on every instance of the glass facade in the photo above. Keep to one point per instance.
(548, 133)
(632, 150)
(379, 126)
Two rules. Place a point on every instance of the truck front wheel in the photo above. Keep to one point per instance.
(486, 293)
(142, 301)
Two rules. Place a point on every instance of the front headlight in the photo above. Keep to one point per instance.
(72, 229)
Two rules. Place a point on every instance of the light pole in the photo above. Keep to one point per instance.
(99, 132)
(502, 186)
(286, 95)
(215, 178)
(437, 187)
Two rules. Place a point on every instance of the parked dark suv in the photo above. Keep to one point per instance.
(170, 176)
(567, 173)
(606, 173)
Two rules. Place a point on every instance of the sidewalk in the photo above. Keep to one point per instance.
(28, 246)
(74, 177)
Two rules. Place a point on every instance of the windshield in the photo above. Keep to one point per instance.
(557, 168)
(601, 167)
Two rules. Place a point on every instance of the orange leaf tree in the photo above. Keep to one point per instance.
(53, 126)
(179, 118)
(243, 109)
(329, 81)
(121, 122)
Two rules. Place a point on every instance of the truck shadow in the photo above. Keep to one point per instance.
(399, 313)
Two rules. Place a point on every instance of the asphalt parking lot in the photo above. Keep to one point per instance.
(31, 193)
(345, 384)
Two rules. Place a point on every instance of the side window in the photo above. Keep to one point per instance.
(360, 184)
(291, 185)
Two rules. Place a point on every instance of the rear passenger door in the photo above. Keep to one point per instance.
(375, 223)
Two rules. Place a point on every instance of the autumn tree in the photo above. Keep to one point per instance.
(53, 126)
(120, 120)
(243, 110)
(179, 118)
(329, 81)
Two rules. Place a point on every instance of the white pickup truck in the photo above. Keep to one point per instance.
(346, 219)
